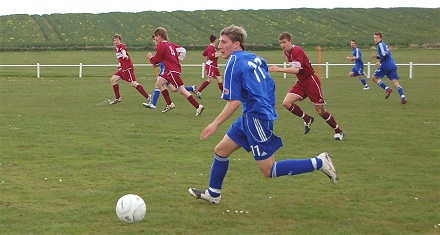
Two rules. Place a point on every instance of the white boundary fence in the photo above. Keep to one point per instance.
(370, 68)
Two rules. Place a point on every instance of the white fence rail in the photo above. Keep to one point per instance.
(370, 68)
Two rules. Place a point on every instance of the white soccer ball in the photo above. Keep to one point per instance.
(131, 208)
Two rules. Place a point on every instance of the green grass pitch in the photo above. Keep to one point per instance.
(66, 156)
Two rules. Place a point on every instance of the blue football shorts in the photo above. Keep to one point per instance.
(357, 71)
(391, 74)
(255, 135)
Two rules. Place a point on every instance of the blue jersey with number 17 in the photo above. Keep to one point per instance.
(246, 78)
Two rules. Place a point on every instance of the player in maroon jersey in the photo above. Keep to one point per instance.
(167, 54)
(125, 71)
(307, 85)
(211, 67)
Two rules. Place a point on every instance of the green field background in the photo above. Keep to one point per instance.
(66, 155)
(144, 70)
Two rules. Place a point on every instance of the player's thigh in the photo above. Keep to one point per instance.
(160, 82)
(226, 147)
(115, 78)
(291, 98)
(219, 79)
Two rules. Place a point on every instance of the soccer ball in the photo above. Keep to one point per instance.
(131, 208)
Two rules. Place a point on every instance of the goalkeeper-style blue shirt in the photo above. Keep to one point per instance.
(247, 79)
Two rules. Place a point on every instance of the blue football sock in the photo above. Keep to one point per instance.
(189, 88)
(218, 172)
(155, 96)
(400, 90)
(295, 167)
(382, 85)
(364, 82)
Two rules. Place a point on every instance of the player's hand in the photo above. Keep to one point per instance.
(208, 131)
(374, 55)
(274, 68)
(377, 63)
(149, 55)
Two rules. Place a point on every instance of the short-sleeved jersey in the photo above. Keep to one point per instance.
(166, 53)
(358, 62)
(297, 56)
(386, 60)
(247, 79)
(125, 64)
(209, 53)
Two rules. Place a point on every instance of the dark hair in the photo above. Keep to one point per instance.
(212, 38)
(354, 41)
(378, 34)
(161, 31)
(285, 35)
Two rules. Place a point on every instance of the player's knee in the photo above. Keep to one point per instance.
(266, 173)
(321, 112)
(134, 84)
(287, 105)
(114, 79)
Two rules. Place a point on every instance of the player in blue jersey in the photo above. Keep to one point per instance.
(386, 66)
(248, 83)
(358, 69)
(156, 93)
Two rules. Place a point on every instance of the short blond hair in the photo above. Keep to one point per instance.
(236, 34)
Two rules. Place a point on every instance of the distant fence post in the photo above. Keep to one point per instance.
(369, 70)
(80, 69)
(326, 69)
(410, 69)
(203, 70)
(285, 66)
(38, 70)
